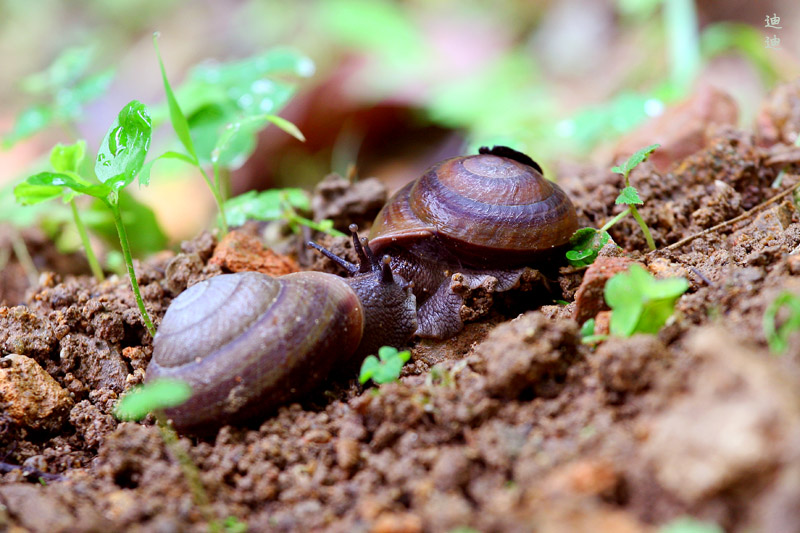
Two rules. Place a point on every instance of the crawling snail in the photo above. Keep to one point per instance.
(482, 216)
(247, 343)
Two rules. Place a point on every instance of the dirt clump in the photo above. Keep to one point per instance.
(32, 398)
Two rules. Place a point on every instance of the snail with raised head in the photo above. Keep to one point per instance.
(482, 216)
(247, 343)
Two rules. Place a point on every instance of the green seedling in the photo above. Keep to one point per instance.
(640, 303)
(778, 336)
(231, 144)
(152, 398)
(687, 524)
(119, 160)
(629, 195)
(62, 91)
(385, 368)
(587, 242)
(64, 159)
(276, 204)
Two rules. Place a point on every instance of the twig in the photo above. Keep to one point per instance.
(732, 221)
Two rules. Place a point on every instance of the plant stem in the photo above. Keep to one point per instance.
(126, 252)
(647, 236)
(190, 471)
(680, 19)
(217, 196)
(24, 258)
(87, 246)
(615, 219)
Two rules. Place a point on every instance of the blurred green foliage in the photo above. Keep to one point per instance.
(61, 92)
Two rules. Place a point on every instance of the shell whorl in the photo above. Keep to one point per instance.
(487, 209)
(247, 343)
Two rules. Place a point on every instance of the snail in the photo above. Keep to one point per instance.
(482, 216)
(247, 342)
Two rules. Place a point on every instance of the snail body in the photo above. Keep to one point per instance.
(481, 216)
(247, 343)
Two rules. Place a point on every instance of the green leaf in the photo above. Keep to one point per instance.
(124, 147)
(386, 367)
(588, 328)
(69, 102)
(634, 160)
(156, 395)
(176, 116)
(628, 196)
(71, 181)
(30, 121)
(30, 194)
(265, 205)
(641, 303)
(586, 243)
(144, 174)
(237, 140)
(67, 157)
(778, 336)
(368, 368)
(64, 71)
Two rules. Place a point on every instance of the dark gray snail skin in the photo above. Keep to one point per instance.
(485, 217)
(247, 343)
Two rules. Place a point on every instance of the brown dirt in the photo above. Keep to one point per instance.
(514, 425)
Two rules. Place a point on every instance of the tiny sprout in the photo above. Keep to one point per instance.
(385, 368)
(629, 195)
(152, 397)
(778, 336)
(640, 303)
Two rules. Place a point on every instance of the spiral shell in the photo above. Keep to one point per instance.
(247, 343)
(487, 210)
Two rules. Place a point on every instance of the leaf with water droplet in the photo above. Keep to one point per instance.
(124, 147)
(33, 191)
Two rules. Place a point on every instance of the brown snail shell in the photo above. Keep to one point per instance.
(485, 209)
(247, 343)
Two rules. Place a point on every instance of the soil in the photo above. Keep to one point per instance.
(513, 425)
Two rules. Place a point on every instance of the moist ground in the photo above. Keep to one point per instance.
(514, 425)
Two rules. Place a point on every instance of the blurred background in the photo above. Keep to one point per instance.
(378, 88)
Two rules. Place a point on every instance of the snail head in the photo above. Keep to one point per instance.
(387, 299)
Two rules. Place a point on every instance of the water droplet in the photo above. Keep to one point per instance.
(306, 67)
(245, 101)
(117, 141)
(266, 105)
(261, 86)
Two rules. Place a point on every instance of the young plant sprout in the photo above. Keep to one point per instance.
(64, 159)
(228, 146)
(778, 336)
(119, 161)
(587, 242)
(276, 204)
(629, 195)
(385, 368)
(62, 91)
(639, 302)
